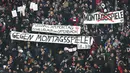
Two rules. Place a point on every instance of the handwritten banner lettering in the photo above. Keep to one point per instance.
(56, 29)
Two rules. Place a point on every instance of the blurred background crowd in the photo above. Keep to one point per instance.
(110, 52)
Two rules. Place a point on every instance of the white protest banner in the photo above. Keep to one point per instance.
(24, 7)
(14, 13)
(57, 29)
(34, 6)
(83, 46)
(61, 39)
(23, 10)
(19, 9)
(70, 49)
(105, 18)
(31, 5)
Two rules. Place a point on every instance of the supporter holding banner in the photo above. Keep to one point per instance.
(21, 36)
(105, 18)
(57, 29)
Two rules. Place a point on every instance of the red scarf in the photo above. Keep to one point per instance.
(120, 69)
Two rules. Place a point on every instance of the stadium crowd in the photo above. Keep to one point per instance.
(109, 53)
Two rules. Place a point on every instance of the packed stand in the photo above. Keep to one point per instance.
(109, 53)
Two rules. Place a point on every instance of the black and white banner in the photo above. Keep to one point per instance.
(70, 49)
(104, 18)
(61, 39)
(56, 29)
(83, 46)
